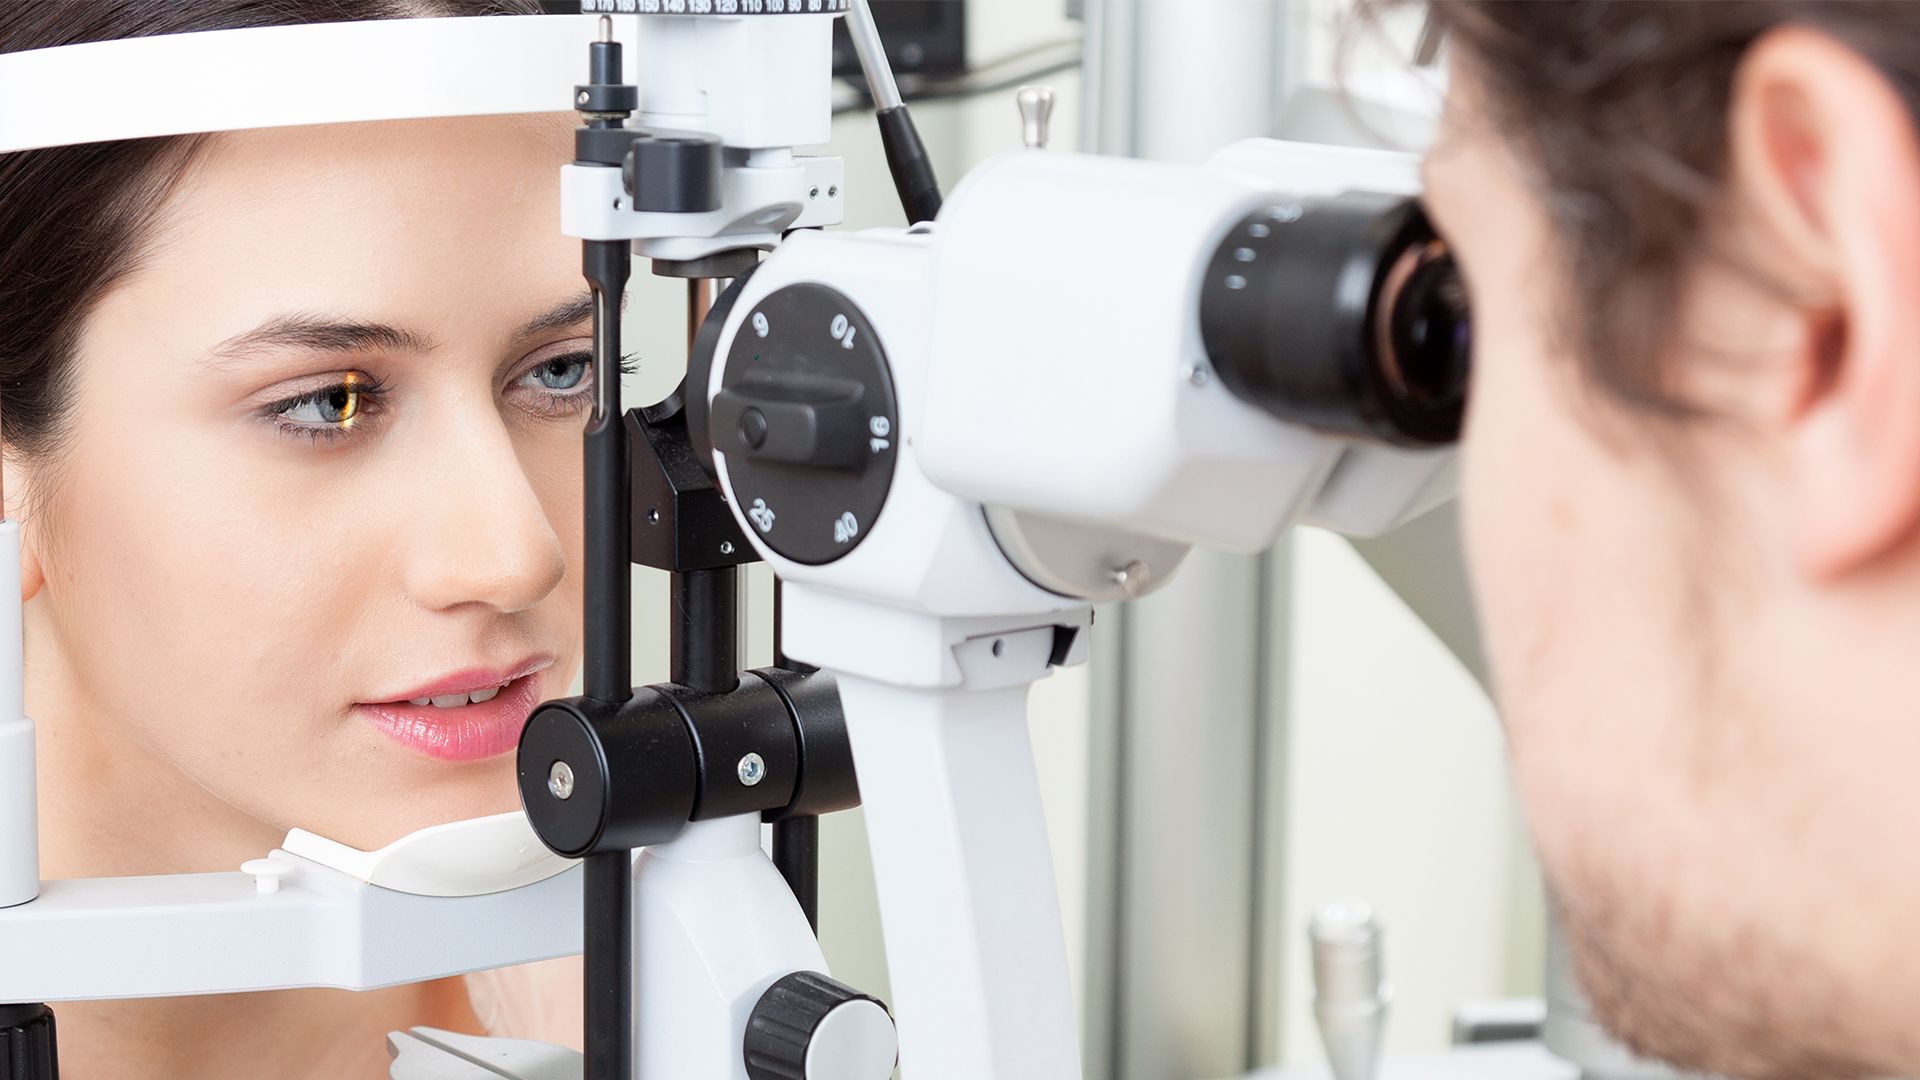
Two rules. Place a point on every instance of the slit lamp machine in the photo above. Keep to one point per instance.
(948, 440)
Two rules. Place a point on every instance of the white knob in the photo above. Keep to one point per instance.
(266, 874)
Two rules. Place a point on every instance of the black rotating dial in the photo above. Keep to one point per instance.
(807, 419)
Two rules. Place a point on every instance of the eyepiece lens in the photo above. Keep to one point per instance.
(1426, 344)
(1348, 315)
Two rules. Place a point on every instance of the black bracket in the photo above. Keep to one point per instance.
(681, 520)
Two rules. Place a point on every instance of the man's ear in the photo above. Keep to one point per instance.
(32, 573)
(1825, 161)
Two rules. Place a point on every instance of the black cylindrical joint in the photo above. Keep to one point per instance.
(749, 751)
(1343, 314)
(600, 99)
(827, 779)
(910, 164)
(704, 646)
(673, 172)
(596, 777)
(28, 1049)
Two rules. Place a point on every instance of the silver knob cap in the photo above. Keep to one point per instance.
(1350, 990)
(1036, 115)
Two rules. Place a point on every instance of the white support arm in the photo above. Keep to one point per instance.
(185, 934)
(967, 898)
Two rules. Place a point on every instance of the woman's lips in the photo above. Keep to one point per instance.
(464, 733)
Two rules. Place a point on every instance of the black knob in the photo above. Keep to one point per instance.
(808, 1027)
(796, 419)
(27, 1050)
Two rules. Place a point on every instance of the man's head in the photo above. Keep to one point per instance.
(1691, 233)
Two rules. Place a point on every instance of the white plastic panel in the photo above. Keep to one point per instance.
(280, 76)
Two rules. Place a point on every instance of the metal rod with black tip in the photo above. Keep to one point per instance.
(907, 157)
(607, 911)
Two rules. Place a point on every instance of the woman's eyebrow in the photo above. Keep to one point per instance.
(561, 317)
(316, 333)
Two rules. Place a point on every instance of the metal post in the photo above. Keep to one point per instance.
(608, 905)
(1181, 951)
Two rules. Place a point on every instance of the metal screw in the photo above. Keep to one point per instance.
(752, 770)
(726, 547)
(813, 194)
(653, 516)
(833, 192)
(560, 781)
(1195, 374)
(582, 99)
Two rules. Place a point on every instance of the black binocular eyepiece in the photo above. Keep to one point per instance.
(1344, 314)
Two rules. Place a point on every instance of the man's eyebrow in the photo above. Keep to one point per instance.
(317, 333)
(564, 317)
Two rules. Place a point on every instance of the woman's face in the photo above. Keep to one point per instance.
(324, 466)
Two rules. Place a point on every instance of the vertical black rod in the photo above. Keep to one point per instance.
(796, 841)
(704, 643)
(705, 649)
(608, 941)
(796, 853)
(608, 924)
(609, 580)
(28, 1049)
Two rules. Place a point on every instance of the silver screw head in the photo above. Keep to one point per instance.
(560, 780)
(1194, 374)
(752, 770)
(726, 547)
(582, 99)
(1132, 578)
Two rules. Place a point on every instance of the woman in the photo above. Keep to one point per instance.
(1692, 484)
(292, 429)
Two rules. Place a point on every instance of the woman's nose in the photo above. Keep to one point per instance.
(481, 536)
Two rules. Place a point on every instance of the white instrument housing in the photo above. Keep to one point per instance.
(1042, 361)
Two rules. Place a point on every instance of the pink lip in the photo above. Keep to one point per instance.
(461, 682)
(467, 732)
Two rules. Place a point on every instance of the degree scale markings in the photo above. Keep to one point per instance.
(812, 346)
(715, 7)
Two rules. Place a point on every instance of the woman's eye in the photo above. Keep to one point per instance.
(561, 373)
(329, 410)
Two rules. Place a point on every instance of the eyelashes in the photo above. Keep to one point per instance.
(553, 388)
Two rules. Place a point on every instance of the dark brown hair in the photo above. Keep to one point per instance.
(73, 219)
(1619, 109)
